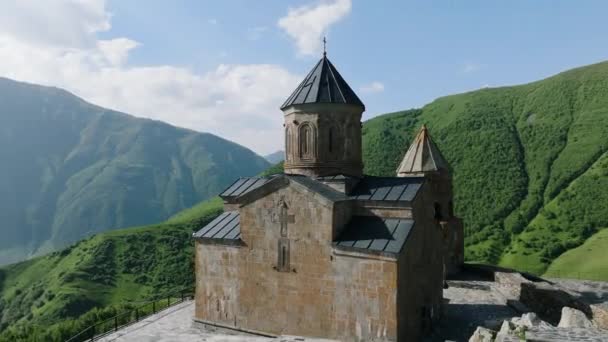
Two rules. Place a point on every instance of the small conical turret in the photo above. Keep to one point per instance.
(422, 156)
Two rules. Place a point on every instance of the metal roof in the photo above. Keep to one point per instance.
(368, 188)
(336, 178)
(318, 187)
(323, 84)
(374, 233)
(227, 226)
(422, 156)
(244, 185)
(387, 188)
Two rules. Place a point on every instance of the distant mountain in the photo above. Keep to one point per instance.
(70, 169)
(275, 157)
(530, 163)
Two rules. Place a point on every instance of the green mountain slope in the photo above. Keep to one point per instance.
(587, 261)
(71, 169)
(529, 162)
(53, 297)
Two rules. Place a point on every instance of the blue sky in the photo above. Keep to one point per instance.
(419, 50)
(395, 54)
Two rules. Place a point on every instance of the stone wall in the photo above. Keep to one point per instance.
(442, 193)
(332, 140)
(217, 290)
(342, 295)
(420, 275)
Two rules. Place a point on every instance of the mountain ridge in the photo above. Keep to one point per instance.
(87, 168)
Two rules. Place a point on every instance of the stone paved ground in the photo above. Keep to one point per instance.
(589, 291)
(471, 303)
(175, 325)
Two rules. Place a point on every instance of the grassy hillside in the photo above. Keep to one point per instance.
(71, 169)
(44, 299)
(529, 162)
(587, 261)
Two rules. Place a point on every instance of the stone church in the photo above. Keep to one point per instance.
(324, 250)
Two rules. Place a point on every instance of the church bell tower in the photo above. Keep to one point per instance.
(323, 125)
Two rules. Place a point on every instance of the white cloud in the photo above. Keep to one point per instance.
(65, 23)
(238, 102)
(307, 24)
(116, 51)
(374, 87)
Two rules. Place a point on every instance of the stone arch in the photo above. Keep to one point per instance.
(306, 141)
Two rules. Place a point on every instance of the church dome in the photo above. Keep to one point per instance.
(323, 84)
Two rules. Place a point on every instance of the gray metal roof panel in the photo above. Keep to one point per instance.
(235, 185)
(224, 227)
(211, 233)
(410, 192)
(234, 222)
(210, 225)
(395, 193)
(399, 236)
(318, 187)
(387, 188)
(244, 185)
(367, 188)
(381, 193)
(375, 234)
(323, 84)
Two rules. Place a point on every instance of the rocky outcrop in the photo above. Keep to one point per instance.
(548, 300)
(482, 334)
(599, 313)
(572, 318)
(574, 326)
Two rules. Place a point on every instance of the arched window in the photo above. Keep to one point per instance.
(330, 138)
(437, 213)
(306, 141)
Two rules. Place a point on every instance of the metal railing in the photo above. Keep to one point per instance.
(113, 324)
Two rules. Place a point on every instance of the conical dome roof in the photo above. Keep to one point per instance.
(422, 156)
(323, 84)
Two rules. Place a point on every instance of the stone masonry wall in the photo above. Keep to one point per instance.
(420, 276)
(347, 296)
(217, 269)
